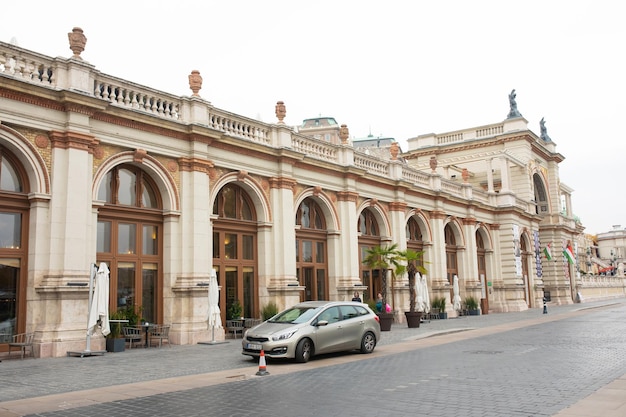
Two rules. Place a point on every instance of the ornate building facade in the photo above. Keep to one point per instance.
(163, 189)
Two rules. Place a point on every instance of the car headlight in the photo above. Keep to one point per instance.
(284, 336)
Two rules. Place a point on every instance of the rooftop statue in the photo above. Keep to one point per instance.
(544, 130)
(513, 112)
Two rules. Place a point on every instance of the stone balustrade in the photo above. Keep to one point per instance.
(78, 75)
(26, 66)
(136, 97)
(371, 164)
(315, 148)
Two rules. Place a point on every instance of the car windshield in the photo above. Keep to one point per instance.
(295, 315)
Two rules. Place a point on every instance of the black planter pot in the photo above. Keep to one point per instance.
(385, 319)
(116, 345)
(443, 316)
(474, 312)
(413, 318)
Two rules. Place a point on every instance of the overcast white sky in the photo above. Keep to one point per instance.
(395, 68)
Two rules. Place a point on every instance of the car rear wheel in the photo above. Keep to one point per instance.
(304, 350)
(368, 343)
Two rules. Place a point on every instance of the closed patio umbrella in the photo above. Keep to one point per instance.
(456, 299)
(214, 318)
(419, 293)
(426, 297)
(99, 308)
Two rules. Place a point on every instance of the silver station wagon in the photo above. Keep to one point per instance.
(314, 328)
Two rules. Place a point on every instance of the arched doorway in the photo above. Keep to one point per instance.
(14, 210)
(311, 251)
(452, 268)
(369, 237)
(130, 241)
(235, 251)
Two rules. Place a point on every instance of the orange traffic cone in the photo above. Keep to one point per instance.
(262, 369)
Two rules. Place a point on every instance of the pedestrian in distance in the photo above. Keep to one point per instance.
(356, 297)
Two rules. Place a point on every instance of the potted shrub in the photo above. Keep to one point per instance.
(269, 310)
(384, 259)
(440, 303)
(234, 311)
(115, 341)
(471, 303)
(412, 267)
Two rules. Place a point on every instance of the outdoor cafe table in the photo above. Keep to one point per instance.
(147, 327)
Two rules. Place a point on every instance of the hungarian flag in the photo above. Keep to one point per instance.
(548, 252)
(569, 254)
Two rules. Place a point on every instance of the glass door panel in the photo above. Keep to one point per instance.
(248, 292)
(9, 274)
(126, 284)
(149, 276)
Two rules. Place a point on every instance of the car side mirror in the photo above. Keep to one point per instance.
(322, 323)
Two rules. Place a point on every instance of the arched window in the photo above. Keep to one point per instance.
(414, 238)
(311, 251)
(129, 240)
(367, 224)
(122, 185)
(451, 255)
(369, 237)
(235, 250)
(14, 211)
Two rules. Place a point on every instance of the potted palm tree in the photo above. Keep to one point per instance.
(412, 267)
(440, 303)
(471, 303)
(115, 341)
(384, 259)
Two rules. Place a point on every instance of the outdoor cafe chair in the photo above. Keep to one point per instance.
(132, 335)
(248, 323)
(161, 333)
(22, 341)
(234, 326)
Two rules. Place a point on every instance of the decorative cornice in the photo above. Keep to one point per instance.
(284, 183)
(31, 99)
(397, 206)
(135, 125)
(437, 215)
(193, 164)
(73, 140)
(348, 196)
(469, 221)
(79, 108)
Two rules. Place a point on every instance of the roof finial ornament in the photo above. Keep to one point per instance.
(544, 131)
(344, 134)
(77, 41)
(195, 82)
(281, 112)
(513, 112)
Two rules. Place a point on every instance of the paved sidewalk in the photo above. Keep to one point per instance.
(53, 384)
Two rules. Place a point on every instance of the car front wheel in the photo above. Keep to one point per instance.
(368, 343)
(304, 350)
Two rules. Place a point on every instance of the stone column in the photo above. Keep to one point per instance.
(190, 254)
(281, 251)
(401, 294)
(348, 277)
